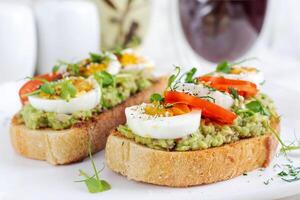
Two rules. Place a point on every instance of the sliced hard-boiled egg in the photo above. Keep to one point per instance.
(250, 74)
(131, 60)
(110, 64)
(200, 90)
(114, 65)
(159, 126)
(84, 100)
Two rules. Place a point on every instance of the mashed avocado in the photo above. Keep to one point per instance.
(211, 134)
(126, 84)
(35, 119)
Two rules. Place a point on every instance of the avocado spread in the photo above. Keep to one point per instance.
(210, 134)
(126, 84)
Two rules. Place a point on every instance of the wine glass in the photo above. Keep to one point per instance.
(217, 30)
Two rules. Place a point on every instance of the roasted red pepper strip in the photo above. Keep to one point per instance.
(32, 85)
(209, 110)
(244, 88)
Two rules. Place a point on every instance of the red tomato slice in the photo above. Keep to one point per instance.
(244, 88)
(209, 110)
(32, 85)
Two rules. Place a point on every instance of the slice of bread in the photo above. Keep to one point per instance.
(71, 145)
(183, 169)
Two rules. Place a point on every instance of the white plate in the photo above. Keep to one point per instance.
(22, 178)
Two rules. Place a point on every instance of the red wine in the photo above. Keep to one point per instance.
(222, 30)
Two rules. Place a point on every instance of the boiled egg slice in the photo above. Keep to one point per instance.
(161, 127)
(111, 64)
(207, 93)
(114, 65)
(85, 101)
(250, 74)
(131, 60)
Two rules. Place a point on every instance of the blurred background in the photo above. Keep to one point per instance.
(34, 34)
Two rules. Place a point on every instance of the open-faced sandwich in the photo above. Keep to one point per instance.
(80, 103)
(201, 130)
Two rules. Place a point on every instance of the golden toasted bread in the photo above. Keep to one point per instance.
(182, 169)
(71, 145)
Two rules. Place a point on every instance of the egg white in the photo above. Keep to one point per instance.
(83, 102)
(161, 127)
(114, 66)
(140, 66)
(199, 90)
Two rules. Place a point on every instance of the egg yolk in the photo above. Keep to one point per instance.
(92, 68)
(130, 59)
(239, 70)
(177, 109)
(82, 86)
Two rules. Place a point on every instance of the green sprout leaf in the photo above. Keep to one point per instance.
(224, 67)
(208, 98)
(72, 68)
(284, 147)
(104, 78)
(118, 51)
(290, 173)
(48, 88)
(173, 77)
(68, 90)
(94, 183)
(234, 93)
(55, 68)
(257, 107)
(97, 58)
(156, 98)
(189, 78)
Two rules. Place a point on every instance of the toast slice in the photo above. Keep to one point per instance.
(183, 169)
(71, 145)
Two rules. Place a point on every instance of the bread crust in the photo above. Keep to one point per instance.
(71, 145)
(183, 169)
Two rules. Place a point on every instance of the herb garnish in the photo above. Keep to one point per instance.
(173, 77)
(94, 183)
(55, 68)
(97, 58)
(254, 107)
(290, 173)
(226, 67)
(104, 78)
(208, 98)
(284, 147)
(47, 88)
(68, 90)
(233, 92)
(257, 107)
(117, 51)
(211, 89)
(174, 80)
(189, 78)
(74, 69)
(267, 182)
(156, 98)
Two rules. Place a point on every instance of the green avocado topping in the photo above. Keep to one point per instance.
(250, 123)
(114, 92)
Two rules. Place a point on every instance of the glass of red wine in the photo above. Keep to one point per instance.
(220, 30)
